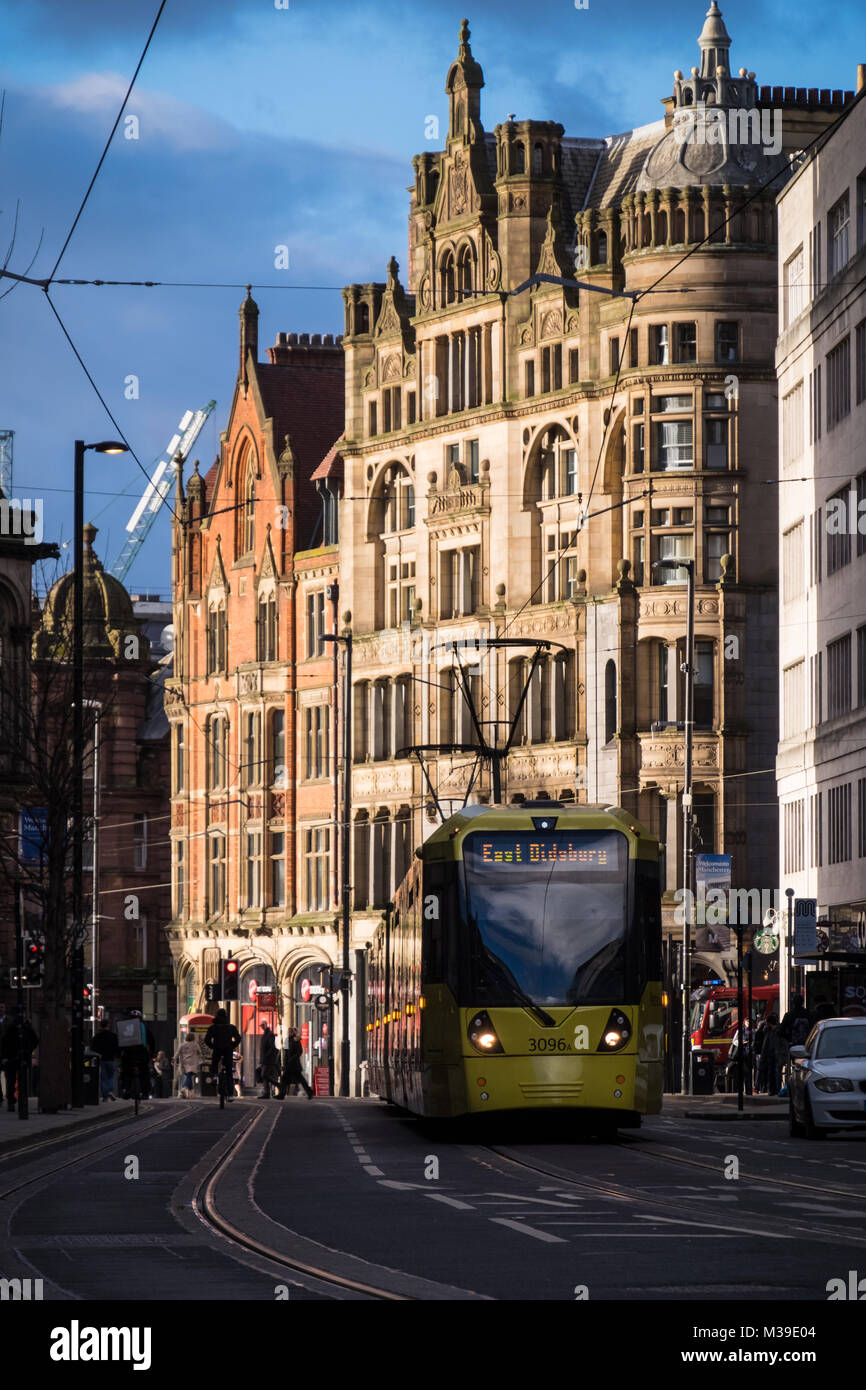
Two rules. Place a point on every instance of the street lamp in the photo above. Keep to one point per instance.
(345, 1053)
(107, 446)
(688, 669)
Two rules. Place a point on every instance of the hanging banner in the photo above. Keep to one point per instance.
(713, 883)
(805, 927)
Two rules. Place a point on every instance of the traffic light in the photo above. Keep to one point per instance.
(34, 960)
(87, 994)
(210, 992)
(229, 979)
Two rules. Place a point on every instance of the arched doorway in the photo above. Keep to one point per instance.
(314, 1024)
(259, 1004)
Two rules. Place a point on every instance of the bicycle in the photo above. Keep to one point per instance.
(225, 1084)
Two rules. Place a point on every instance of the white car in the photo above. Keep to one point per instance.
(827, 1083)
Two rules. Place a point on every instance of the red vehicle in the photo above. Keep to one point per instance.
(714, 1016)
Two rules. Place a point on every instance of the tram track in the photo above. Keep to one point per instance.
(773, 1227)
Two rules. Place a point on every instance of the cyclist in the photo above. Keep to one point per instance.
(136, 1058)
(222, 1038)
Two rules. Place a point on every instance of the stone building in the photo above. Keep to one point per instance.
(821, 364)
(517, 463)
(251, 699)
(127, 753)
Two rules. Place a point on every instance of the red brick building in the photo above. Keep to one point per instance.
(250, 702)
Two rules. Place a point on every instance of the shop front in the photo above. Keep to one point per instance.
(259, 1004)
(313, 1023)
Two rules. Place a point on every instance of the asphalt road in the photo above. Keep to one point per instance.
(681, 1210)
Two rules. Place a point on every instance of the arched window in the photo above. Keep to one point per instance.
(245, 493)
(610, 719)
(362, 318)
(601, 252)
(538, 159)
(216, 875)
(216, 637)
(217, 751)
(249, 511)
(266, 627)
(277, 765)
(448, 287)
(519, 158)
(465, 273)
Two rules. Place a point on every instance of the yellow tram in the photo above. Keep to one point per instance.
(520, 968)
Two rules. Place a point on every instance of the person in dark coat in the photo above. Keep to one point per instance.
(292, 1072)
(9, 1059)
(269, 1061)
(104, 1041)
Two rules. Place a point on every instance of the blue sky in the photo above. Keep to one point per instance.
(258, 127)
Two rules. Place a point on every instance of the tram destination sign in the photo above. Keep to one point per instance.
(510, 850)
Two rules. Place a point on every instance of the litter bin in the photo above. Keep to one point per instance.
(703, 1074)
(207, 1082)
(91, 1077)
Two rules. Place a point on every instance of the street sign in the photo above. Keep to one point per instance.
(805, 927)
(321, 1081)
(323, 1003)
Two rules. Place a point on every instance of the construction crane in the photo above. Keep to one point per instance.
(161, 481)
(6, 437)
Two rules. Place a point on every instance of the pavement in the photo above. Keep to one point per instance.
(724, 1107)
(15, 1132)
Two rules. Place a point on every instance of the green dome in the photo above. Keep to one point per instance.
(109, 619)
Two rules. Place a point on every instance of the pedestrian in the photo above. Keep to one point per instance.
(162, 1074)
(292, 1072)
(268, 1062)
(189, 1059)
(793, 1032)
(760, 1039)
(104, 1041)
(774, 1054)
(9, 1060)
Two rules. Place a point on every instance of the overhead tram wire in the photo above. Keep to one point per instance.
(108, 141)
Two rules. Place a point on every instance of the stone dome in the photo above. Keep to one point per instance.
(109, 619)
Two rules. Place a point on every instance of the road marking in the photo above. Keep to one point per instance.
(401, 1186)
(359, 1148)
(527, 1230)
(449, 1201)
(676, 1221)
(364, 1158)
(373, 1170)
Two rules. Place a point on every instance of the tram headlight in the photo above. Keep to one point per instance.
(482, 1034)
(617, 1032)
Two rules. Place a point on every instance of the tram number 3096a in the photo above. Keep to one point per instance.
(549, 1045)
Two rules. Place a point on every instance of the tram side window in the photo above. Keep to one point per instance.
(648, 919)
(432, 904)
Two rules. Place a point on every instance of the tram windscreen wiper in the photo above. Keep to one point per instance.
(500, 972)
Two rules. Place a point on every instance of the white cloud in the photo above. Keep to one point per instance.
(160, 116)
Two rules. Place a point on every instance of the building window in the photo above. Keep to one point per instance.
(391, 409)
(817, 399)
(716, 441)
(792, 563)
(278, 773)
(860, 362)
(558, 467)
(727, 341)
(816, 816)
(687, 342)
(839, 676)
(672, 547)
(317, 724)
(266, 628)
(639, 552)
(610, 715)
(316, 623)
(660, 344)
(561, 575)
(838, 383)
(373, 416)
(861, 210)
(861, 667)
(252, 754)
(179, 861)
(817, 664)
(704, 819)
(638, 454)
(529, 371)
(861, 818)
(632, 347)
(614, 356)
(472, 460)
(839, 824)
(816, 546)
(216, 639)
(794, 836)
(399, 501)
(716, 544)
(459, 581)
(179, 757)
(795, 288)
(838, 220)
(792, 426)
(249, 511)
(253, 870)
(662, 681)
(704, 686)
(400, 592)
(217, 750)
(573, 366)
(601, 248)
(278, 870)
(817, 260)
(674, 446)
(794, 699)
(217, 875)
(317, 862)
(838, 534)
(139, 841)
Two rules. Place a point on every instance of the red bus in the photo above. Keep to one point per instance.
(714, 1016)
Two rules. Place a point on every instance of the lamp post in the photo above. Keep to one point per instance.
(345, 1047)
(688, 669)
(77, 971)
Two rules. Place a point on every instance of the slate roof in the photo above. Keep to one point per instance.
(307, 403)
